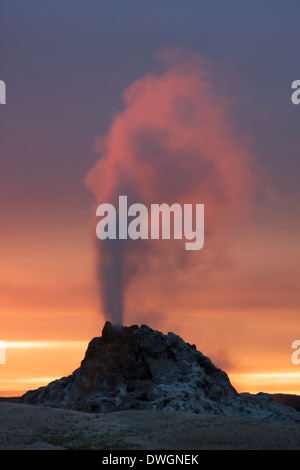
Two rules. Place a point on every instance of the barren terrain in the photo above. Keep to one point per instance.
(34, 427)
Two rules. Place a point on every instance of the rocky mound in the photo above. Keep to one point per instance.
(140, 368)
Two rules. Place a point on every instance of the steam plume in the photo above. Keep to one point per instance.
(174, 141)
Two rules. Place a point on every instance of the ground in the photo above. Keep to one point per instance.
(34, 427)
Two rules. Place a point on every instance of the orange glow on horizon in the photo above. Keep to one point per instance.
(32, 364)
(268, 382)
(29, 361)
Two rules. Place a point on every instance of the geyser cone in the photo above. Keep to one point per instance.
(140, 368)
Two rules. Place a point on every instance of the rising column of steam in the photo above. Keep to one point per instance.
(174, 141)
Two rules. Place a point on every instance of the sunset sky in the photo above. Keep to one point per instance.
(173, 101)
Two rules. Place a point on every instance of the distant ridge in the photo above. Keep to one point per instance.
(287, 399)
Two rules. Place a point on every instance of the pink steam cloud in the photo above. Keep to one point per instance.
(175, 141)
